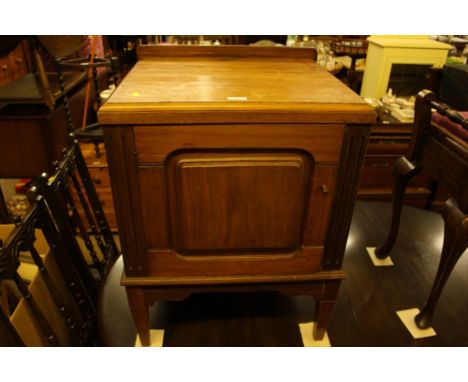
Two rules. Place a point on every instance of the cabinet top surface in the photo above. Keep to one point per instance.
(232, 84)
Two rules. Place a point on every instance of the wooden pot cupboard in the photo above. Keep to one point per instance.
(233, 169)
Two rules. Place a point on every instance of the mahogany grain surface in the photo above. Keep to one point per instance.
(233, 173)
(209, 89)
(322, 141)
(239, 186)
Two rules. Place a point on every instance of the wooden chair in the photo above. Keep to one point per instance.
(58, 307)
(439, 146)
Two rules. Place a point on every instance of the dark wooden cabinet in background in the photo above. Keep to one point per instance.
(387, 143)
(14, 65)
(99, 173)
(32, 136)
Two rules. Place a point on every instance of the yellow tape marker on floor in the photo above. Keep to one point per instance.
(387, 262)
(407, 317)
(156, 338)
(308, 340)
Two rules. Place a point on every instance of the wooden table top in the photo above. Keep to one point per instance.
(159, 87)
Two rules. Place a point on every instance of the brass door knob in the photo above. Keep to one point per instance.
(324, 189)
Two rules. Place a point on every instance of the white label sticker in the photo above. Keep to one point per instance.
(237, 98)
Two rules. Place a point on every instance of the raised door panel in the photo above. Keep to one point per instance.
(238, 202)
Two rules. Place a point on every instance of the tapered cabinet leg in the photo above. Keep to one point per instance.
(140, 313)
(455, 243)
(403, 171)
(323, 313)
(324, 308)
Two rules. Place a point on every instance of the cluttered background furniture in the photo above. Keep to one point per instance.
(233, 169)
(355, 48)
(390, 139)
(386, 54)
(32, 112)
(52, 92)
(61, 236)
(51, 266)
(439, 146)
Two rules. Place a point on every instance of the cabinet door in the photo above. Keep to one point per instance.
(224, 205)
(234, 214)
(238, 202)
